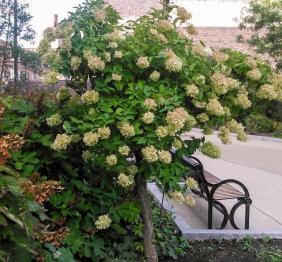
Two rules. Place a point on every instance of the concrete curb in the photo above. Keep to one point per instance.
(252, 137)
(206, 234)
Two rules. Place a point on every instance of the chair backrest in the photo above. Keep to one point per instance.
(196, 171)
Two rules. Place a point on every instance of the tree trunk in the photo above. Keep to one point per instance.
(149, 235)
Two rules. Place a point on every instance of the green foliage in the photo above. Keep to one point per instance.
(259, 124)
(211, 150)
(265, 19)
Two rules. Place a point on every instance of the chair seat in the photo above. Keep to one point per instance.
(225, 191)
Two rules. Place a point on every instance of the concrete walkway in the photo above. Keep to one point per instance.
(258, 165)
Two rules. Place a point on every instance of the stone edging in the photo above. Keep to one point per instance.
(254, 137)
(204, 234)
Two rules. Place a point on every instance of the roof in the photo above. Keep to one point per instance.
(215, 37)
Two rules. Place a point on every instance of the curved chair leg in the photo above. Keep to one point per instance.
(224, 212)
(232, 213)
(210, 215)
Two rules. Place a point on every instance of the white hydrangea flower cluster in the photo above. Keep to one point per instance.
(100, 15)
(177, 197)
(234, 126)
(104, 132)
(108, 56)
(165, 156)
(90, 139)
(62, 141)
(114, 36)
(177, 144)
(220, 57)
(155, 76)
(124, 150)
(150, 104)
(86, 155)
(116, 77)
(118, 54)
(113, 45)
(198, 49)
(126, 129)
(164, 25)
(224, 135)
(176, 119)
(214, 107)
(150, 154)
(111, 160)
(50, 78)
(199, 104)
(132, 170)
(202, 118)
(103, 222)
(54, 120)
(276, 81)
(95, 63)
(90, 97)
(254, 74)
(173, 64)
(192, 90)
(159, 36)
(125, 181)
(64, 93)
(190, 200)
(251, 62)
(222, 84)
(183, 14)
(267, 92)
(148, 117)
(242, 100)
(161, 131)
(143, 62)
(191, 183)
(242, 136)
(75, 63)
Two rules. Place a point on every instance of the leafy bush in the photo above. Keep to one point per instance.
(265, 20)
(133, 91)
(259, 124)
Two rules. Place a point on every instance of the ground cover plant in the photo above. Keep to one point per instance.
(86, 152)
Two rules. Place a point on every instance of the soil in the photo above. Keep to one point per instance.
(247, 250)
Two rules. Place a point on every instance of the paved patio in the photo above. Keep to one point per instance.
(258, 165)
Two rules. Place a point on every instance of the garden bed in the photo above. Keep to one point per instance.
(231, 250)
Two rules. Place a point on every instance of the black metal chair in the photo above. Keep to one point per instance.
(214, 190)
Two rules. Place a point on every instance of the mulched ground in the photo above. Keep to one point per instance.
(247, 250)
